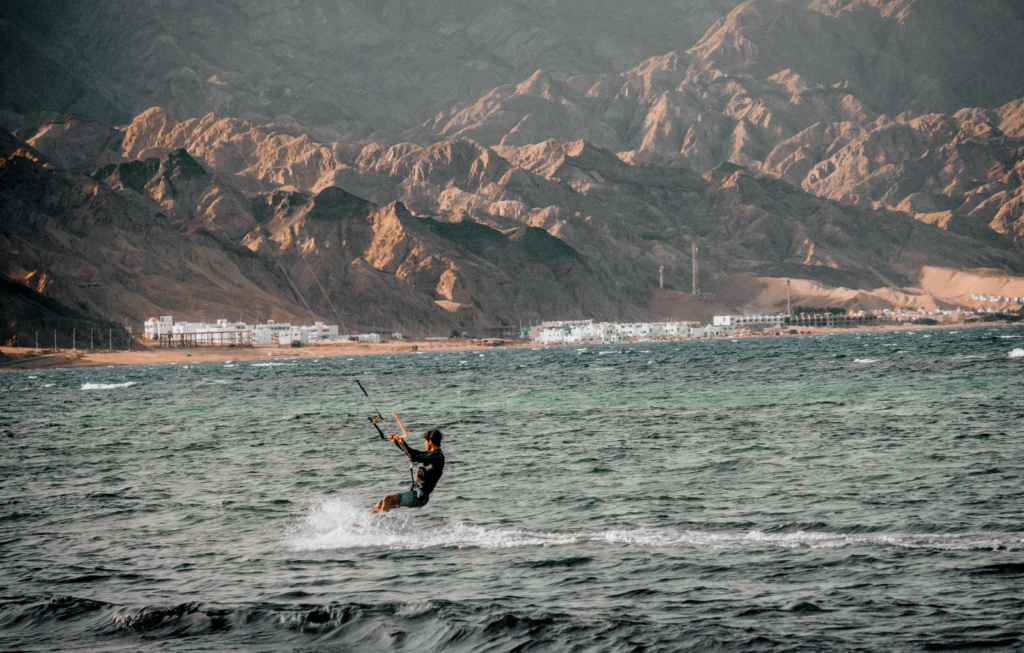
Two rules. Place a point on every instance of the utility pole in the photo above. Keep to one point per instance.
(55, 340)
(37, 341)
(789, 311)
(661, 277)
(694, 256)
(111, 340)
(74, 334)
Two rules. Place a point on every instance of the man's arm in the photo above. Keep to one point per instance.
(414, 455)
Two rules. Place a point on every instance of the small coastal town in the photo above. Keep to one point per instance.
(164, 340)
(165, 332)
(588, 331)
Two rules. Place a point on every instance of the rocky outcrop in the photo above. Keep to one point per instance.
(961, 172)
(74, 143)
(386, 266)
(274, 155)
(113, 252)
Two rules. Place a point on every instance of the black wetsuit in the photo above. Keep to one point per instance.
(431, 466)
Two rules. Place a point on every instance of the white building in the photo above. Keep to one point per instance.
(225, 332)
(266, 334)
(604, 332)
(158, 327)
(221, 332)
(321, 332)
(757, 322)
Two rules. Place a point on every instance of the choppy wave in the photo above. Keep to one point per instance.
(1017, 353)
(865, 360)
(456, 627)
(107, 386)
(339, 524)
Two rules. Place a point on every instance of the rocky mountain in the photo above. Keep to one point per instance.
(826, 96)
(820, 140)
(962, 172)
(261, 221)
(118, 254)
(766, 71)
(337, 67)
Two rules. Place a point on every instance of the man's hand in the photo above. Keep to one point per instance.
(396, 437)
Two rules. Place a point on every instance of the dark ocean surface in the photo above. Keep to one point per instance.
(862, 491)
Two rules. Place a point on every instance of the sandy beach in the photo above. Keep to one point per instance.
(28, 358)
(18, 358)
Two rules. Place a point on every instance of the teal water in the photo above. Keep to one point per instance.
(845, 492)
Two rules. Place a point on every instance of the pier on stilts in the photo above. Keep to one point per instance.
(206, 339)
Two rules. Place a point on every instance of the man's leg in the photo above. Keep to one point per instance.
(387, 503)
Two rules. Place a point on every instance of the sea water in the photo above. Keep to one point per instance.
(857, 491)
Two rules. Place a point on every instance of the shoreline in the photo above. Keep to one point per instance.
(18, 358)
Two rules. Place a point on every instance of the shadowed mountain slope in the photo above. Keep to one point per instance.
(347, 67)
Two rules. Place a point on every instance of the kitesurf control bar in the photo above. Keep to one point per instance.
(379, 417)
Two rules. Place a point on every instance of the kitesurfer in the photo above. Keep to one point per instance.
(426, 476)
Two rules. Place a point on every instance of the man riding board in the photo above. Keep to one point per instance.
(431, 466)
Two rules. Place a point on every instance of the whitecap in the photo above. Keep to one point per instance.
(865, 360)
(338, 524)
(1017, 353)
(106, 386)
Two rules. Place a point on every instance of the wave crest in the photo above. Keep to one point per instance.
(106, 386)
(338, 524)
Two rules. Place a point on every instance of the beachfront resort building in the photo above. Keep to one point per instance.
(223, 332)
(156, 327)
(579, 331)
(754, 322)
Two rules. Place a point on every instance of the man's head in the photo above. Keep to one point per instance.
(432, 439)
